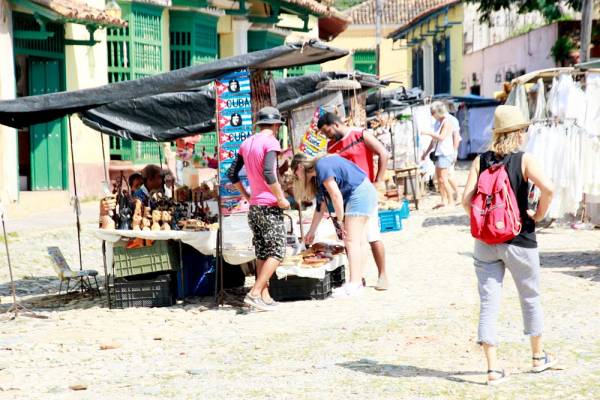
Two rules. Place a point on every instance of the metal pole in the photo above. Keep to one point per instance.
(77, 207)
(104, 158)
(378, 12)
(586, 29)
(292, 142)
(16, 307)
(12, 282)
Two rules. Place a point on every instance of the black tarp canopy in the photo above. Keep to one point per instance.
(169, 116)
(168, 105)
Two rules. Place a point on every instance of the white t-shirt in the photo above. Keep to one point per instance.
(446, 146)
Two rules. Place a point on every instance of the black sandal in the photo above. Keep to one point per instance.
(502, 373)
(548, 363)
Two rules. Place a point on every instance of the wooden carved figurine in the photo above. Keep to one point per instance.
(156, 215)
(137, 216)
(166, 221)
(146, 219)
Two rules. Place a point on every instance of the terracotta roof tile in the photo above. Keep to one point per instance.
(394, 12)
(78, 11)
(323, 8)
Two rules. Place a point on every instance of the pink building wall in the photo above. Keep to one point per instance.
(530, 51)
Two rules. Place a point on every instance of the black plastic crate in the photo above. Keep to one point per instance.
(296, 288)
(141, 291)
(338, 276)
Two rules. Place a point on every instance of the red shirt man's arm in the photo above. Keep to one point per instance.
(377, 148)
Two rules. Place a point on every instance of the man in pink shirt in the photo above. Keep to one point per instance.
(267, 201)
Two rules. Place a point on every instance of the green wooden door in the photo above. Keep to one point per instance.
(47, 154)
(365, 61)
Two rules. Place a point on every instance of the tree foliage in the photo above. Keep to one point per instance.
(551, 10)
(345, 4)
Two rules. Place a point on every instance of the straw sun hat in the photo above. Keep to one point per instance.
(508, 119)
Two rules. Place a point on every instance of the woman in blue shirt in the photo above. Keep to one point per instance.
(335, 181)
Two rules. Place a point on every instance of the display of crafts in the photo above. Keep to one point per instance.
(189, 213)
(315, 256)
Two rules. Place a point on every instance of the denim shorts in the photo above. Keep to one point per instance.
(362, 201)
(444, 161)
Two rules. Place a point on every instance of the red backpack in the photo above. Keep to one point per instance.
(495, 216)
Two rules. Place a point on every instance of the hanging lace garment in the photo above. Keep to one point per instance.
(540, 104)
(518, 97)
(567, 100)
(592, 94)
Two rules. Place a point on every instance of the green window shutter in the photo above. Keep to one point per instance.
(364, 61)
(135, 52)
(205, 39)
(208, 141)
(193, 39)
(146, 40)
(118, 43)
(180, 39)
(261, 40)
(52, 47)
(304, 70)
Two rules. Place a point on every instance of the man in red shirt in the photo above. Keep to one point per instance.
(356, 145)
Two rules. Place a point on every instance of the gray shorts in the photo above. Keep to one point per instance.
(491, 263)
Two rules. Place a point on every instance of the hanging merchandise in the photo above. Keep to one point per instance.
(313, 142)
(234, 122)
(304, 123)
(592, 94)
(395, 132)
(567, 148)
(540, 103)
(566, 100)
(358, 112)
(423, 121)
(261, 85)
(518, 98)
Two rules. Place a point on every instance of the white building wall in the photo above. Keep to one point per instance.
(530, 51)
(8, 136)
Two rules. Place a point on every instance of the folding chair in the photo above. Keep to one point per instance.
(65, 273)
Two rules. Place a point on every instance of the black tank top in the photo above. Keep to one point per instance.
(521, 189)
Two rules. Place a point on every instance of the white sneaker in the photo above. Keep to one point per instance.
(347, 290)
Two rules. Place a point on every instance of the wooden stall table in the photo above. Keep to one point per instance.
(410, 174)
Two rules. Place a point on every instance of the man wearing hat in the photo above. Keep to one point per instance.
(519, 255)
(258, 154)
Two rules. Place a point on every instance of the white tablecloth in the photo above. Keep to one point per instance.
(237, 243)
(237, 240)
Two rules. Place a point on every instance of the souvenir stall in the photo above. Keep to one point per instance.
(394, 128)
(195, 215)
(563, 106)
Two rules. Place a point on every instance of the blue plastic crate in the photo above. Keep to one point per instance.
(405, 209)
(390, 220)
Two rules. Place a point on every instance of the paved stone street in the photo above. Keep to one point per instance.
(415, 341)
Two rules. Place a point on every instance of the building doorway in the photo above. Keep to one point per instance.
(39, 68)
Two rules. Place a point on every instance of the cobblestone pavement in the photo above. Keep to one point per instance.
(415, 341)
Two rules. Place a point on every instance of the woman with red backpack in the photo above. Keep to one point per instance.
(496, 197)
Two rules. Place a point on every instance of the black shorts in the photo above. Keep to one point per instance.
(268, 232)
